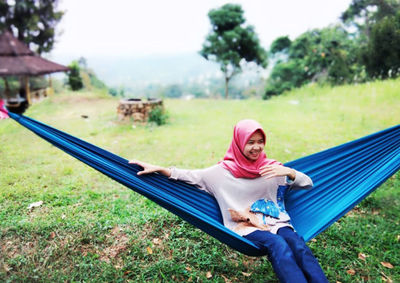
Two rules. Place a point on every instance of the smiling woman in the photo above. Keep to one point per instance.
(254, 146)
(250, 189)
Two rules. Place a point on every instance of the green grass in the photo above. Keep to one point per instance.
(92, 229)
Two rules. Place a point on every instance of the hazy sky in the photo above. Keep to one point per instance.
(147, 27)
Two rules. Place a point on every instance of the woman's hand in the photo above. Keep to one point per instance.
(150, 168)
(270, 171)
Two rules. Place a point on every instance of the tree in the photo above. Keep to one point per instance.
(377, 22)
(230, 43)
(89, 77)
(382, 53)
(285, 76)
(33, 22)
(363, 14)
(323, 55)
(74, 77)
(281, 44)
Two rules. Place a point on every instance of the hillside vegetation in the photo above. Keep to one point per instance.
(89, 228)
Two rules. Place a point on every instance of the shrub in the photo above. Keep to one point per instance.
(74, 77)
(113, 91)
(158, 116)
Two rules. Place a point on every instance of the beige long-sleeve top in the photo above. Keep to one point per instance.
(246, 204)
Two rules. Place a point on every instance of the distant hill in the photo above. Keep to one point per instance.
(138, 72)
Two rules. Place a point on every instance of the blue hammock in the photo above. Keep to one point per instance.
(343, 176)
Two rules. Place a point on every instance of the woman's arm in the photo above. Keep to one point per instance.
(270, 171)
(194, 177)
(297, 180)
(150, 168)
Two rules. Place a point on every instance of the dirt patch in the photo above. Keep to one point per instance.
(13, 247)
(360, 212)
(75, 99)
(119, 243)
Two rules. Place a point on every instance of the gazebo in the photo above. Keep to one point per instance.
(17, 60)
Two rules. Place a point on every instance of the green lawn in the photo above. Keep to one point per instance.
(90, 228)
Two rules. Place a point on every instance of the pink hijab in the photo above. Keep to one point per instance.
(235, 161)
(3, 111)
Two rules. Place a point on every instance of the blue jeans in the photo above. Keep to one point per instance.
(291, 259)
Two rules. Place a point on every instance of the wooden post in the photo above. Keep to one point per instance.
(6, 88)
(50, 90)
(27, 90)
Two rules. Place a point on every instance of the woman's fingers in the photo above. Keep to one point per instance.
(147, 168)
(143, 172)
(134, 161)
(271, 167)
(269, 171)
(266, 170)
(140, 163)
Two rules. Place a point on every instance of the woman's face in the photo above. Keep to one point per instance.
(254, 146)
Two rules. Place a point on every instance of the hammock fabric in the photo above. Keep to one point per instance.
(343, 176)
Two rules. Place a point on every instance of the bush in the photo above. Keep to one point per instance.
(74, 77)
(285, 76)
(112, 91)
(158, 116)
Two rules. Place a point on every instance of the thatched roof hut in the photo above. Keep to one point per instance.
(16, 59)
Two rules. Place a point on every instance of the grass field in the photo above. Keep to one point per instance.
(91, 229)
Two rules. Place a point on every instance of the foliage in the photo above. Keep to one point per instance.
(376, 48)
(39, 82)
(230, 43)
(336, 55)
(34, 21)
(89, 78)
(91, 229)
(158, 115)
(81, 76)
(382, 53)
(323, 55)
(285, 76)
(363, 14)
(281, 44)
(74, 76)
(9, 86)
(58, 85)
(122, 91)
(113, 91)
(173, 91)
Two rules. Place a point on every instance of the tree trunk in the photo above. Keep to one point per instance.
(226, 86)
